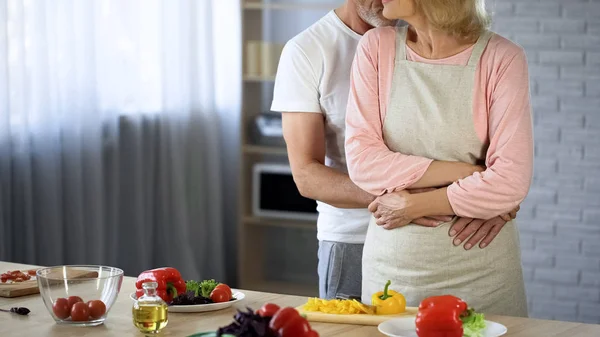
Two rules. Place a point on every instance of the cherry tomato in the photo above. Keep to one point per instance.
(295, 327)
(97, 308)
(282, 317)
(80, 312)
(312, 333)
(268, 310)
(61, 308)
(219, 295)
(31, 272)
(72, 300)
(225, 287)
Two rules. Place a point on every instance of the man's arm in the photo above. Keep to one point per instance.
(304, 134)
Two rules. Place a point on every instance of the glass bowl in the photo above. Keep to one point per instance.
(89, 283)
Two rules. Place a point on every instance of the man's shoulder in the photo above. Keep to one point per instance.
(321, 36)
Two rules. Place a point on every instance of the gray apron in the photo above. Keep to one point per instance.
(430, 114)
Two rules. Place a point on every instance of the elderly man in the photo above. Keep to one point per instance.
(311, 90)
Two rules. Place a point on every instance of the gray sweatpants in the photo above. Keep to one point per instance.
(340, 269)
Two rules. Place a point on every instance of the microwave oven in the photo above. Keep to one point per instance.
(275, 195)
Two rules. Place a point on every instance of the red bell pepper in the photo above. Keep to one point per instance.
(170, 283)
(439, 316)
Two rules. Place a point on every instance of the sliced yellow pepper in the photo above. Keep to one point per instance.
(342, 307)
(388, 302)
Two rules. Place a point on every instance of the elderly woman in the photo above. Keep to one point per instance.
(428, 103)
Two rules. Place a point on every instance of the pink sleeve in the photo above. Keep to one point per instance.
(509, 160)
(371, 165)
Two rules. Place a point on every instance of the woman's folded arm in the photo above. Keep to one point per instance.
(371, 164)
(507, 179)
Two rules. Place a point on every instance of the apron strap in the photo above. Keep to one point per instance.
(480, 45)
(401, 43)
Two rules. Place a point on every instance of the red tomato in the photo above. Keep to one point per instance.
(312, 333)
(225, 287)
(80, 312)
(97, 308)
(72, 300)
(282, 317)
(61, 308)
(31, 272)
(220, 295)
(268, 310)
(295, 327)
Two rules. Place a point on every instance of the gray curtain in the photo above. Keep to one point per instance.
(110, 143)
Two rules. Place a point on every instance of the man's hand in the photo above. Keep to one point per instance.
(511, 215)
(486, 230)
(432, 221)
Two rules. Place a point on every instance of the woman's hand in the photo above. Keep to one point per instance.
(383, 209)
(392, 210)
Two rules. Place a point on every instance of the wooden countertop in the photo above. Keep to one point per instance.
(40, 323)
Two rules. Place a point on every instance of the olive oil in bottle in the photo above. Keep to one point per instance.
(150, 312)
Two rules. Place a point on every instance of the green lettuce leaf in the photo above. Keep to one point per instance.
(207, 286)
(203, 288)
(473, 324)
(193, 286)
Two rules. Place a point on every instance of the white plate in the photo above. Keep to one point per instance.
(405, 327)
(237, 295)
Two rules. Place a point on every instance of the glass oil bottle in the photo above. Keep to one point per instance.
(150, 312)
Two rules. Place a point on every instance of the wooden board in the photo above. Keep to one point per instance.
(31, 287)
(358, 319)
(19, 289)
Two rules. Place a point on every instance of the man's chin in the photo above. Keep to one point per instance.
(385, 22)
(377, 19)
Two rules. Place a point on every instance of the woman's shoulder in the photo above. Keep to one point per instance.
(504, 60)
(380, 32)
(379, 41)
(378, 36)
(503, 50)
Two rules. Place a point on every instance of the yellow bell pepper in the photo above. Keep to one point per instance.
(388, 302)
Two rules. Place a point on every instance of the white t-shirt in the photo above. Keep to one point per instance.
(314, 76)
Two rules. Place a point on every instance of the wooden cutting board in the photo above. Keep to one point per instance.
(31, 287)
(359, 319)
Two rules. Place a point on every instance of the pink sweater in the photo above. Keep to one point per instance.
(501, 114)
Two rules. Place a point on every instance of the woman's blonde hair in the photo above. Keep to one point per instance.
(461, 18)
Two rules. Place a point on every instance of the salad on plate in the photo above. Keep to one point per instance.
(177, 292)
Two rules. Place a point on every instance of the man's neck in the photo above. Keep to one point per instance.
(349, 16)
